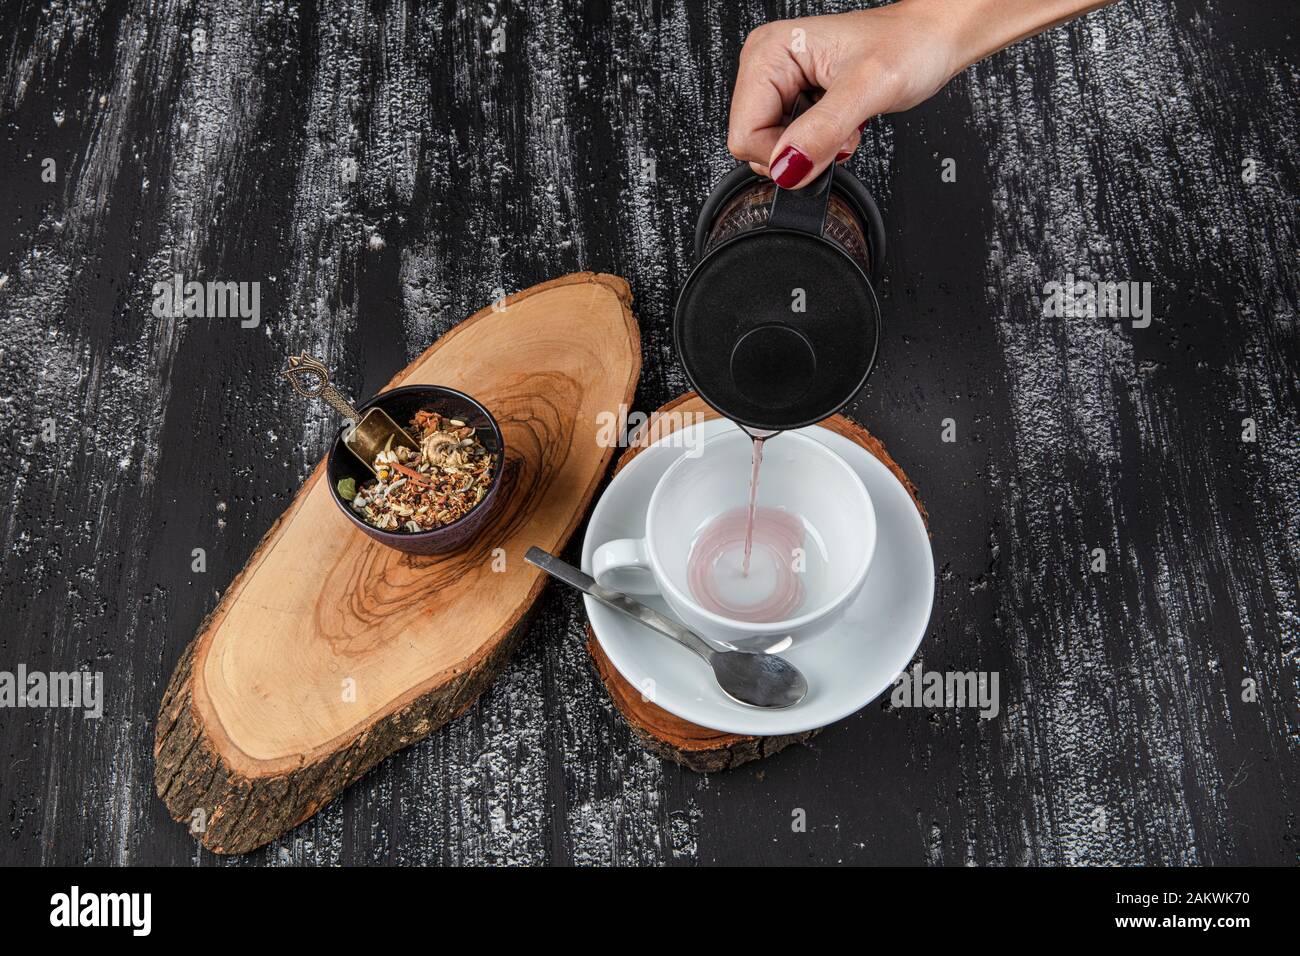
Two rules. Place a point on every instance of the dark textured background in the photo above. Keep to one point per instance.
(1113, 147)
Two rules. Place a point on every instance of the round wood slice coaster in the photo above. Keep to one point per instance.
(662, 733)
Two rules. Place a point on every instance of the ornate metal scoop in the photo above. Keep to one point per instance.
(369, 433)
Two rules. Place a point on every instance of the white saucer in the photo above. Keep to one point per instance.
(846, 670)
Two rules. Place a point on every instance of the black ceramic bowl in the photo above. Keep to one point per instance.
(401, 404)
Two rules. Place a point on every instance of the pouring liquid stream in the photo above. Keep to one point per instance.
(753, 502)
(742, 564)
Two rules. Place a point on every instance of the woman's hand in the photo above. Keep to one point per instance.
(870, 62)
(882, 60)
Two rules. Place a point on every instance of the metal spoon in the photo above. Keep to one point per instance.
(759, 680)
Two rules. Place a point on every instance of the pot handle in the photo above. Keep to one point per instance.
(803, 210)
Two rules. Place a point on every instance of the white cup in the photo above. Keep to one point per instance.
(800, 476)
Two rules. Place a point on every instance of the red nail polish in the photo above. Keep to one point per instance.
(790, 167)
(862, 127)
(842, 155)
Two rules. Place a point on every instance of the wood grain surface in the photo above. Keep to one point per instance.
(382, 171)
(667, 735)
(330, 651)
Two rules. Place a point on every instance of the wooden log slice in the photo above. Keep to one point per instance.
(665, 734)
(329, 651)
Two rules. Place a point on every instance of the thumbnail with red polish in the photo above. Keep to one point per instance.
(790, 167)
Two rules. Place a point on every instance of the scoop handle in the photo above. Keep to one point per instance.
(311, 379)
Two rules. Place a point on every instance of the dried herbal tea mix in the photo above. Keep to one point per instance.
(420, 491)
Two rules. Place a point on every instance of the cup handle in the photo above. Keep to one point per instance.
(624, 565)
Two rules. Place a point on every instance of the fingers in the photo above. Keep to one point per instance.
(827, 130)
(846, 151)
(767, 81)
(848, 146)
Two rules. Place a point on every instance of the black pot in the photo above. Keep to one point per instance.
(778, 325)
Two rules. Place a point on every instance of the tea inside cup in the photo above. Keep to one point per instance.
(813, 533)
